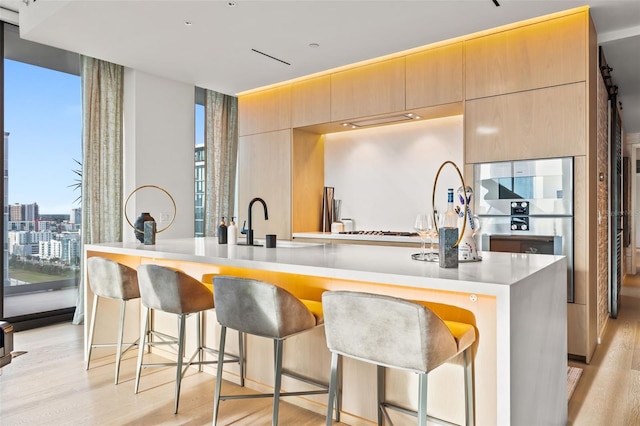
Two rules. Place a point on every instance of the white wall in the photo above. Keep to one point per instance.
(384, 175)
(159, 116)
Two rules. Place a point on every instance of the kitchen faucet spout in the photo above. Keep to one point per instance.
(266, 217)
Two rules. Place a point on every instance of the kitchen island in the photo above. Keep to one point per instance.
(517, 302)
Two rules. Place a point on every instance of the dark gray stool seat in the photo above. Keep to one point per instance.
(170, 290)
(111, 280)
(263, 309)
(395, 333)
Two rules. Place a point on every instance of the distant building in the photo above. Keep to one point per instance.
(31, 212)
(16, 212)
(76, 216)
(199, 191)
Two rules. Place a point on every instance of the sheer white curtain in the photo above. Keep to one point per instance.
(221, 154)
(101, 157)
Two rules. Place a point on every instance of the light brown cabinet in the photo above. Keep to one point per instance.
(265, 171)
(434, 77)
(264, 111)
(544, 54)
(368, 90)
(311, 101)
(543, 123)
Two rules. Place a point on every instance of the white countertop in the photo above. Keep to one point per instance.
(371, 263)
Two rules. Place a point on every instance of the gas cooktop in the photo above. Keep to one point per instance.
(386, 233)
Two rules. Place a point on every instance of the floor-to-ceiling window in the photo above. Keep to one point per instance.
(199, 163)
(42, 124)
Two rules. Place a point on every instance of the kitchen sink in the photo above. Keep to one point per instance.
(287, 244)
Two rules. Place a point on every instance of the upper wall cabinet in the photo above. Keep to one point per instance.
(264, 111)
(434, 77)
(544, 54)
(368, 90)
(311, 101)
(542, 123)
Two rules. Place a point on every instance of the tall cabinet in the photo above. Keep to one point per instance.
(527, 91)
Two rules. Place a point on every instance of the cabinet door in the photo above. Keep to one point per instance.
(543, 54)
(311, 101)
(541, 123)
(264, 111)
(265, 171)
(434, 77)
(368, 90)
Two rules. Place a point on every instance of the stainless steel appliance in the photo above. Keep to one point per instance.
(527, 207)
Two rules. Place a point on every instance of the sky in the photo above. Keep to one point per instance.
(43, 113)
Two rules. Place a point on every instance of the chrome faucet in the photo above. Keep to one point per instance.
(266, 217)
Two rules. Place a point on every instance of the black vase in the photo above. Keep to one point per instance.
(138, 225)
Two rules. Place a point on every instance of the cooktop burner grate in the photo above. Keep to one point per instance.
(386, 233)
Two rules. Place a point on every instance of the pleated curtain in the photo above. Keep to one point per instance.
(221, 154)
(101, 157)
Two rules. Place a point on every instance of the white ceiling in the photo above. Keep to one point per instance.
(215, 51)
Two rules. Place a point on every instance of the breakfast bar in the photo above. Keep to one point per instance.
(517, 303)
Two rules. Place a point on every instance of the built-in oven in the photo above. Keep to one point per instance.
(527, 207)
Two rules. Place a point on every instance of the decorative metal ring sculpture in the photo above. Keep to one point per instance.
(433, 199)
(156, 187)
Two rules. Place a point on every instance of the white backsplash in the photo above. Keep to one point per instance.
(384, 175)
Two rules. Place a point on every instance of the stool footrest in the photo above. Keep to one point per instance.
(270, 395)
(415, 414)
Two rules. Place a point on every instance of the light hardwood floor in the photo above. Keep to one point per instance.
(608, 392)
(49, 385)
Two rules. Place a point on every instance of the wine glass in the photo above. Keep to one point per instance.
(423, 226)
(433, 234)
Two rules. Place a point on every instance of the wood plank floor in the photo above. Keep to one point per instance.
(49, 385)
(608, 392)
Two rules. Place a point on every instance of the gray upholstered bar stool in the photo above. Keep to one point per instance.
(170, 290)
(263, 309)
(111, 280)
(395, 333)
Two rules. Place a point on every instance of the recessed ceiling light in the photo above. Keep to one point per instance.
(314, 45)
(188, 23)
(231, 4)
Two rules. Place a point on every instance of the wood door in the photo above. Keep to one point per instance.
(265, 171)
(311, 101)
(543, 54)
(434, 77)
(541, 123)
(264, 111)
(368, 90)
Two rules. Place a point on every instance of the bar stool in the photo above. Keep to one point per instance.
(170, 290)
(111, 280)
(262, 309)
(396, 333)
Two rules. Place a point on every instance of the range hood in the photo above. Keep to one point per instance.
(381, 120)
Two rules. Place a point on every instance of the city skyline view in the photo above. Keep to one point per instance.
(43, 116)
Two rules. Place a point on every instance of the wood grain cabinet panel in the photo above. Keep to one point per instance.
(434, 77)
(311, 101)
(368, 90)
(264, 111)
(265, 172)
(541, 123)
(543, 54)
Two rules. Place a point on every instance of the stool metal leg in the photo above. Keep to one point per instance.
(241, 356)
(144, 324)
(279, 344)
(216, 396)
(333, 387)
(380, 393)
(181, 332)
(470, 417)
(123, 307)
(422, 399)
(92, 328)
